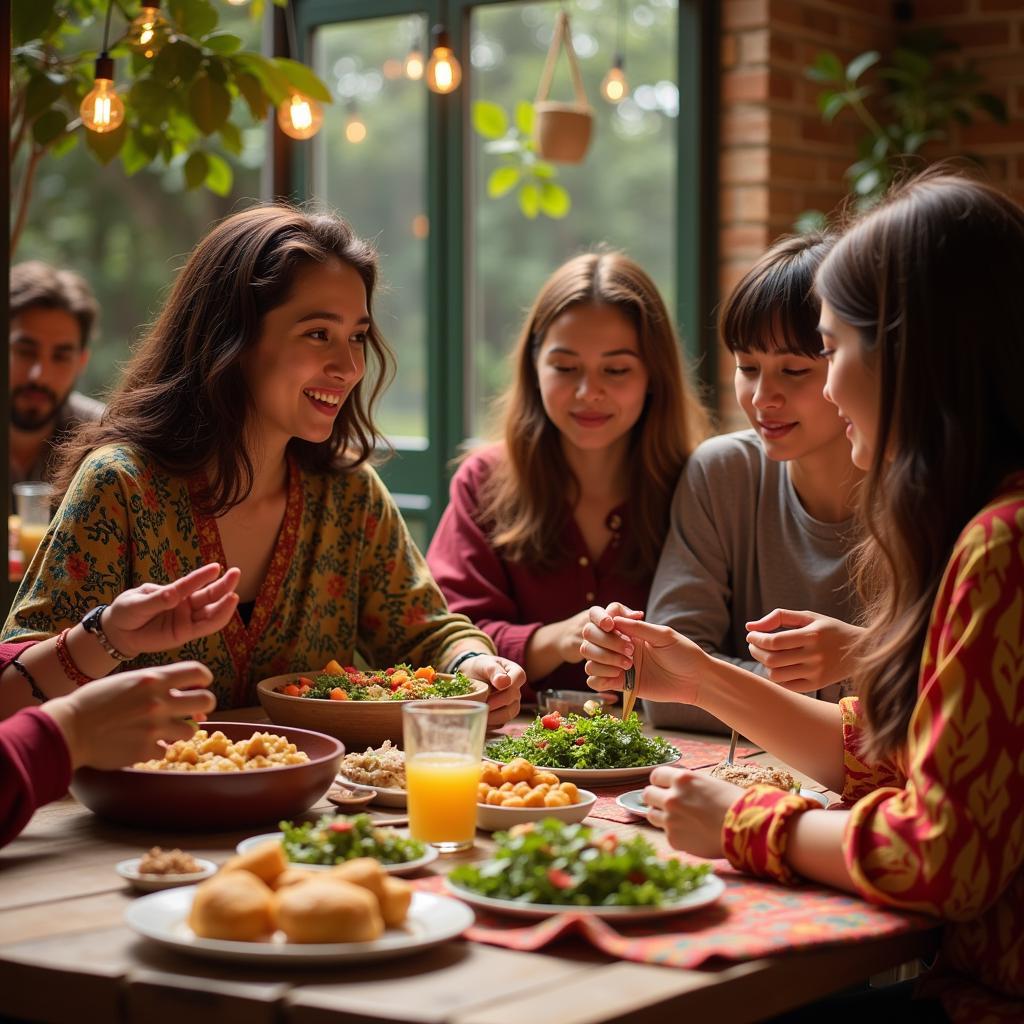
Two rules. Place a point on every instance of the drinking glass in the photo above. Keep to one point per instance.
(32, 502)
(444, 742)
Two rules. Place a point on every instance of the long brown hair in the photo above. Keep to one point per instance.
(182, 398)
(933, 281)
(524, 501)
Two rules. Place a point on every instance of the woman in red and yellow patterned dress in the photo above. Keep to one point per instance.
(240, 435)
(923, 326)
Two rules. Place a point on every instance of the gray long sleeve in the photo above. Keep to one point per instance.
(740, 544)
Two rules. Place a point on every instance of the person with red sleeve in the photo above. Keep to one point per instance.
(922, 324)
(571, 508)
(58, 718)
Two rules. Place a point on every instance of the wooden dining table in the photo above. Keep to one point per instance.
(67, 955)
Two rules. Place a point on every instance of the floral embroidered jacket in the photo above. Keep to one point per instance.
(345, 575)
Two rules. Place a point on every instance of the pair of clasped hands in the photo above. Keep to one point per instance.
(805, 654)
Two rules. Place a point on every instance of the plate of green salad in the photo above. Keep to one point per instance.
(599, 750)
(550, 867)
(334, 839)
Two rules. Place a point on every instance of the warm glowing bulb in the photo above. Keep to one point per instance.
(102, 109)
(300, 117)
(443, 71)
(355, 130)
(614, 86)
(414, 65)
(238, 3)
(146, 33)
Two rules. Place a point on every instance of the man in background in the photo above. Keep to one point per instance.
(53, 313)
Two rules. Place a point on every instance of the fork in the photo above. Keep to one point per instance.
(628, 693)
(732, 748)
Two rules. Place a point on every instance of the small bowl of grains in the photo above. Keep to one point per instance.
(164, 869)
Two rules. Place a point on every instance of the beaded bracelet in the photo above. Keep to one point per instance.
(30, 679)
(71, 670)
(755, 832)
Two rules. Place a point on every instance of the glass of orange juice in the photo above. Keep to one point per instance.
(32, 501)
(444, 742)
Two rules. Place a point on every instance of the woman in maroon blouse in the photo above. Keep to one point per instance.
(571, 508)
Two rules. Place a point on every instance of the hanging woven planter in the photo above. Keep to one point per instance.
(562, 130)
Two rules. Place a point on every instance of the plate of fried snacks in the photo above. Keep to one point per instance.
(164, 869)
(266, 911)
(598, 750)
(335, 839)
(512, 793)
(549, 867)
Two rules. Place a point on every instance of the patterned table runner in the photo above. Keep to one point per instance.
(753, 918)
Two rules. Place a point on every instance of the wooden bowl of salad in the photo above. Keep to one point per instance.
(362, 708)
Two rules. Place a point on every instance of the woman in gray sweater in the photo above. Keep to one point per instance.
(761, 521)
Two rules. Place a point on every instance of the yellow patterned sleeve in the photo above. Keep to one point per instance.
(861, 776)
(84, 560)
(403, 616)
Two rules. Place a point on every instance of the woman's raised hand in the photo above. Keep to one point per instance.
(157, 617)
(667, 664)
(809, 651)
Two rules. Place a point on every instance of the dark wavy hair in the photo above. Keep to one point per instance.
(182, 398)
(933, 280)
(524, 500)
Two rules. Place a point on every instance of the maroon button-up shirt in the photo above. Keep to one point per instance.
(511, 600)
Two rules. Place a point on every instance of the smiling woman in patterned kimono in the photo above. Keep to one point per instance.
(240, 434)
(923, 326)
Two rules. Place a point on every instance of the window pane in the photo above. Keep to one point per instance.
(370, 166)
(622, 193)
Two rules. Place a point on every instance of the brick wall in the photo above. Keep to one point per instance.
(778, 158)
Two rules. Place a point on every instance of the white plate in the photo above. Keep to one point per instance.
(633, 801)
(432, 919)
(129, 869)
(706, 893)
(600, 776)
(385, 797)
(492, 818)
(405, 868)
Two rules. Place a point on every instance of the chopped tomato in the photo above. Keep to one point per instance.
(541, 744)
(303, 681)
(291, 690)
(332, 668)
(560, 879)
(427, 672)
(580, 740)
(351, 670)
(637, 877)
(340, 826)
(389, 671)
(552, 721)
(609, 841)
(338, 694)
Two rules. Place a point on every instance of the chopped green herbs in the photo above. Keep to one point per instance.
(336, 838)
(566, 865)
(577, 741)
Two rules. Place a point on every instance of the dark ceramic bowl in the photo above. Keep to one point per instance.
(214, 801)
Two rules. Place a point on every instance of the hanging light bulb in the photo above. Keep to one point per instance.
(413, 66)
(238, 3)
(148, 30)
(355, 127)
(443, 72)
(614, 86)
(102, 109)
(299, 117)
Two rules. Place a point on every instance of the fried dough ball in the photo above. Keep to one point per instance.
(329, 910)
(293, 876)
(364, 872)
(547, 778)
(265, 861)
(395, 904)
(570, 790)
(517, 770)
(234, 905)
(491, 775)
(556, 798)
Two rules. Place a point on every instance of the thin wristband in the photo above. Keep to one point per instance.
(30, 679)
(67, 663)
(465, 656)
